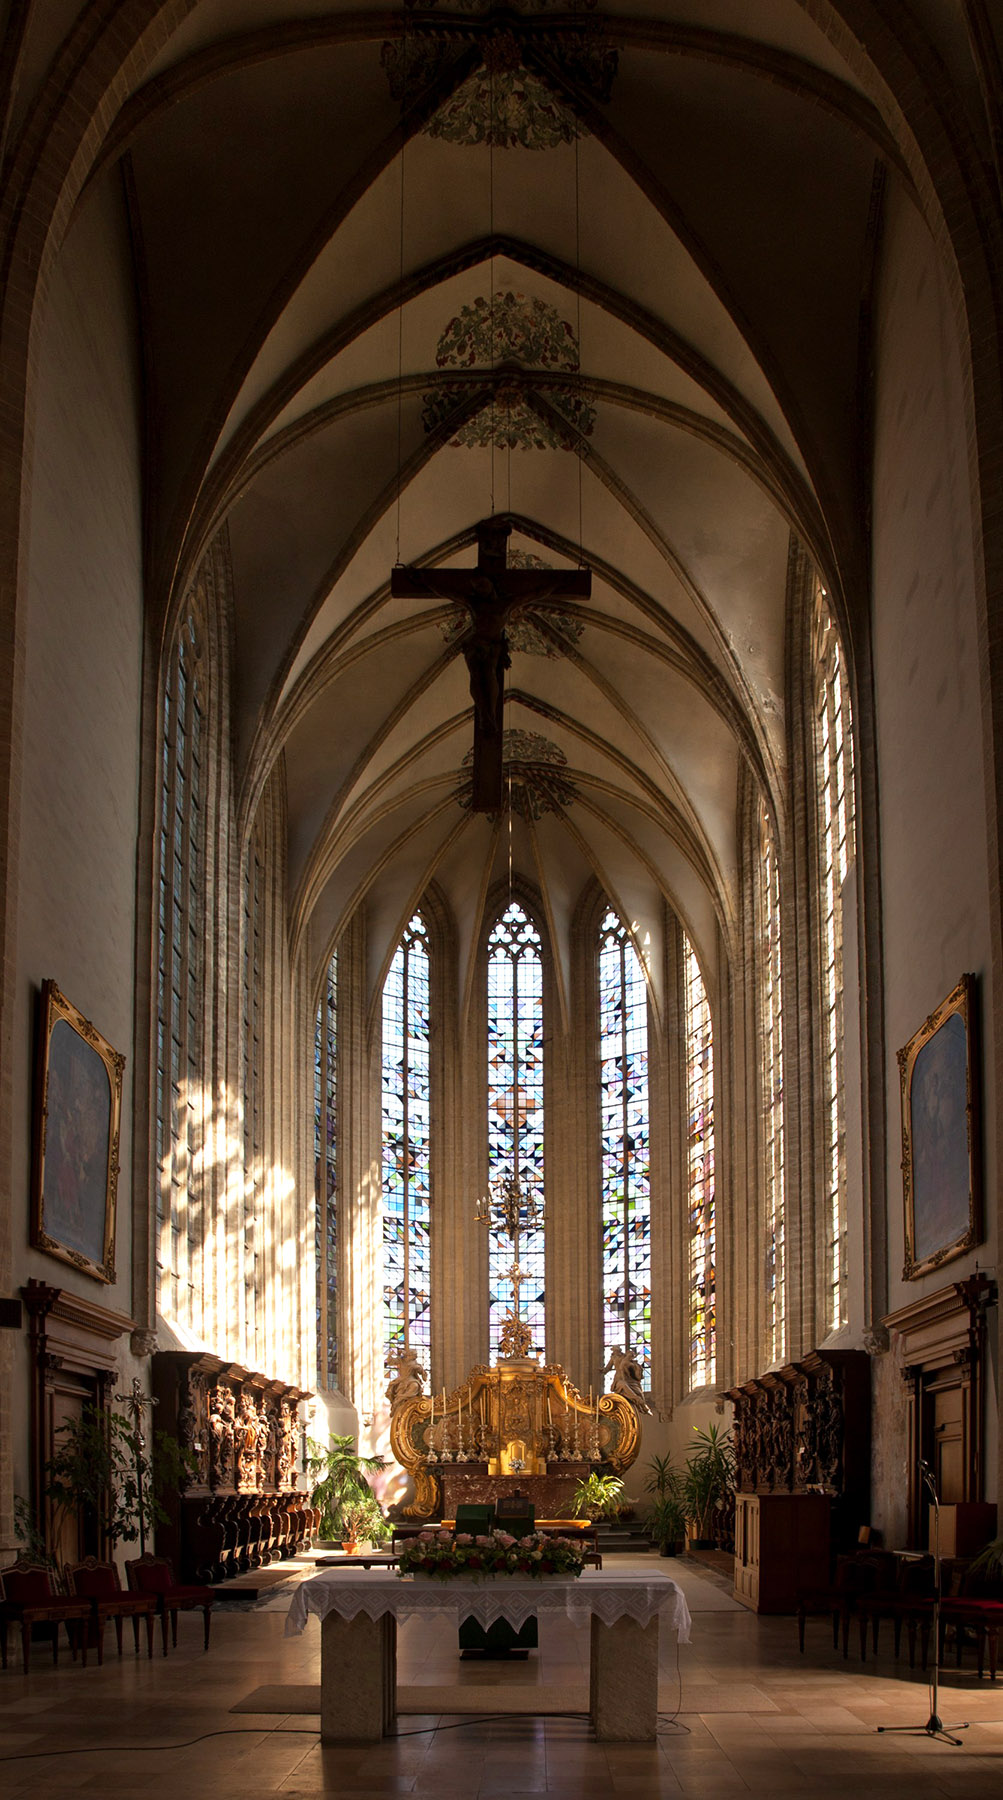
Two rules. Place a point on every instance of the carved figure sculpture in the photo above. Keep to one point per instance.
(222, 1421)
(246, 1438)
(627, 1377)
(407, 1383)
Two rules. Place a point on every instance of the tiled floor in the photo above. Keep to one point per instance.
(755, 1717)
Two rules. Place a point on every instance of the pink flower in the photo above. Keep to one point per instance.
(504, 1539)
(445, 1537)
(464, 1537)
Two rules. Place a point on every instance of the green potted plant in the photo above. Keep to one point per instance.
(597, 1497)
(101, 1467)
(708, 1479)
(667, 1518)
(339, 1474)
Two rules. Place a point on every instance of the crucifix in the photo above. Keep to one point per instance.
(493, 594)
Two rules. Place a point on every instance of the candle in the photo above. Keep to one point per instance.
(431, 1414)
(550, 1419)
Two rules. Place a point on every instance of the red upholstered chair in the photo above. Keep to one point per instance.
(99, 1583)
(29, 1598)
(155, 1575)
(972, 1601)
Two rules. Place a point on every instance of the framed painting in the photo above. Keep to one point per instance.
(941, 1164)
(78, 1105)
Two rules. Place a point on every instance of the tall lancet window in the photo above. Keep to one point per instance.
(515, 1108)
(181, 935)
(406, 1160)
(325, 1147)
(834, 786)
(626, 1185)
(700, 1171)
(772, 1091)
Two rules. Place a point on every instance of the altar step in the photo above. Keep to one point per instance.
(631, 1538)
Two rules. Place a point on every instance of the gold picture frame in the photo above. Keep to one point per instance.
(941, 1143)
(75, 1165)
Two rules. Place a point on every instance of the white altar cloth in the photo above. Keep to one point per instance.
(359, 1611)
(604, 1595)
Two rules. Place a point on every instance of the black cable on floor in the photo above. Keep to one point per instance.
(186, 1743)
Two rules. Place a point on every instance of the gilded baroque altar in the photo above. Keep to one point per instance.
(515, 1419)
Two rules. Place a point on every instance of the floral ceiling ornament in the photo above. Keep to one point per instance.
(503, 103)
(519, 333)
(534, 766)
(543, 632)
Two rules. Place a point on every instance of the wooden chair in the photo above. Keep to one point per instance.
(854, 1577)
(99, 1583)
(906, 1598)
(155, 1575)
(28, 1597)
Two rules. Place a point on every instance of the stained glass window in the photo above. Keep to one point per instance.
(772, 1091)
(700, 1171)
(515, 1108)
(406, 1162)
(325, 1145)
(626, 1187)
(179, 980)
(253, 1120)
(834, 786)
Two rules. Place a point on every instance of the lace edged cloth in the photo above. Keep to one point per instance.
(515, 1599)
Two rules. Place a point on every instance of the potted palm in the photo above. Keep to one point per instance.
(708, 1479)
(339, 1474)
(668, 1512)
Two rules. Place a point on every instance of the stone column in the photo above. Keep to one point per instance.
(623, 1681)
(358, 1679)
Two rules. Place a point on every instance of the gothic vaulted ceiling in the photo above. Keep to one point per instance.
(599, 270)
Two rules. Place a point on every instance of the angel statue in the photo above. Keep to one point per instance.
(627, 1377)
(407, 1383)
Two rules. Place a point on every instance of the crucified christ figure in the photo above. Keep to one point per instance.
(493, 595)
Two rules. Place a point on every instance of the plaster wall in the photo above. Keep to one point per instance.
(934, 865)
(77, 870)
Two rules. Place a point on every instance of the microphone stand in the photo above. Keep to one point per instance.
(934, 1727)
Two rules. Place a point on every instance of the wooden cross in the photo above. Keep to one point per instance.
(493, 594)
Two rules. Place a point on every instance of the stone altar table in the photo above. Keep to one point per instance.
(359, 1614)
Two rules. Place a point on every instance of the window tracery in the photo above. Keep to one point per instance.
(699, 1034)
(325, 1113)
(625, 1142)
(406, 1145)
(252, 979)
(772, 1089)
(515, 1107)
(180, 940)
(834, 792)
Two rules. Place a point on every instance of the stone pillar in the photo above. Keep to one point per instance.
(358, 1679)
(623, 1681)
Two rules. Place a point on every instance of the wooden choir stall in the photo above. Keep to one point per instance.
(240, 1507)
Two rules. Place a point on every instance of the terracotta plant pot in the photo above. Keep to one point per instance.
(350, 1549)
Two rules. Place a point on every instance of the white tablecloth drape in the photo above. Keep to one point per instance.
(595, 1594)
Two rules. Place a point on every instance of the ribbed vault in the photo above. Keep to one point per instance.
(601, 271)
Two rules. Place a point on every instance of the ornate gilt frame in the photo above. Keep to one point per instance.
(48, 1230)
(961, 1229)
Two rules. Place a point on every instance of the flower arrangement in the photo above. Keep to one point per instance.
(443, 1554)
